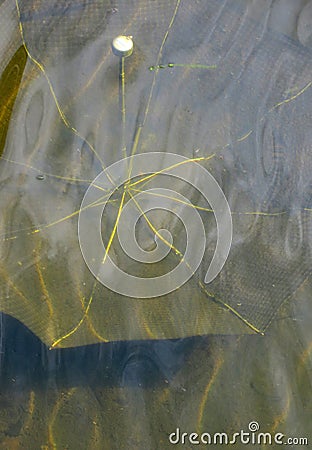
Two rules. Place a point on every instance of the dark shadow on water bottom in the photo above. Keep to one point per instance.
(45, 394)
(27, 363)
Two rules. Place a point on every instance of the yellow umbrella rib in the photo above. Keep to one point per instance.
(51, 88)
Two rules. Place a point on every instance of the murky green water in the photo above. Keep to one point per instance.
(134, 394)
(226, 84)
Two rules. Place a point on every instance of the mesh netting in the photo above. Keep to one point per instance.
(209, 80)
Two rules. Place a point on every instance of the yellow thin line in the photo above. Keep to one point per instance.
(148, 330)
(100, 65)
(44, 287)
(305, 88)
(208, 387)
(115, 227)
(56, 222)
(54, 414)
(50, 175)
(165, 394)
(252, 327)
(241, 139)
(189, 267)
(286, 300)
(182, 259)
(256, 213)
(123, 106)
(30, 412)
(282, 416)
(10, 238)
(200, 208)
(42, 69)
(190, 66)
(55, 343)
(177, 252)
(304, 357)
(90, 324)
(104, 259)
(260, 213)
(71, 215)
(138, 132)
(42, 227)
(95, 332)
(165, 169)
(134, 148)
(159, 55)
(158, 59)
(293, 97)
(89, 82)
(20, 293)
(230, 308)
(99, 202)
(96, 439)
(146, 112)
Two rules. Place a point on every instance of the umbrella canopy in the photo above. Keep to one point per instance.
(213, 83)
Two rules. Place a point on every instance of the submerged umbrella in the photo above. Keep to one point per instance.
(212, 83)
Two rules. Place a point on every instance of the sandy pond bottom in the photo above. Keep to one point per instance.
(132, 395)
